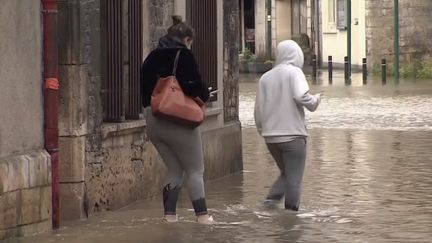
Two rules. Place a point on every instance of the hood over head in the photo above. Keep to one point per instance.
(289, 52)
(170, 42)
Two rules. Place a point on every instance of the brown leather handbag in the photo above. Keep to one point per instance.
(169, 101)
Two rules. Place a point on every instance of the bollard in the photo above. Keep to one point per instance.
(384, 71)
(364, 71)
(330, 69)
(314, 66)
(347, 77)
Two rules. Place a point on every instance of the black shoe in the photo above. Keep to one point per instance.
(293, 208)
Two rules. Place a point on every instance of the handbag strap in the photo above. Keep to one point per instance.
(176, 63)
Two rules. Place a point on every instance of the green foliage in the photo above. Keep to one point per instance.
(247, 56)
(420, 70)
(377, 69)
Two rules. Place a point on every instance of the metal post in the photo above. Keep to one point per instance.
(364, 70)
(396, 41)
(330, 69)
(349, 34)
(347, 76)
(384, 71)
(269, 30)
(314, 66)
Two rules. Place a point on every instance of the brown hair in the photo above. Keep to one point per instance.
(180, 29)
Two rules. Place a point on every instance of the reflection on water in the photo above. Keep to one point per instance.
(367, 182)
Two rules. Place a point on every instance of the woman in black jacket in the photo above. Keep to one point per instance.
(179, 146)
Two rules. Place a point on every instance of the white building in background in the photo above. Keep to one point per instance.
(289, 20)
(334, 31)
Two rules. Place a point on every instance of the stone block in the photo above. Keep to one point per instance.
(95, 42)
(127, 173)
(34, 229)
(69, 32)
(4, 182)
(8, 210)
(222, 151)
(39, 169)
(29, 210)
(85, 31)
(71, 200)
(45, 202)
(6, 234)
(18, 173)
(73, 100)
(95, 107)
(21, 98)
(72, 154)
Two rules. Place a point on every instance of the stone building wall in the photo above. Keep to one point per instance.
(80, 79)
(231, 61)
(106, 166)
(25, 166)
(158, 14)
(415, 31)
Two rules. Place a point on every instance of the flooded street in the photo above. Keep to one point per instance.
(368, 178)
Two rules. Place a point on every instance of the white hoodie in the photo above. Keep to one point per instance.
(282, 94)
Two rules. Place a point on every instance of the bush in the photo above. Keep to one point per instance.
(420, 70)
(425, 71)
(247, 56)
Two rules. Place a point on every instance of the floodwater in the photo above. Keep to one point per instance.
(368, 178)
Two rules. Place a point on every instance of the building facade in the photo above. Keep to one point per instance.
(334, 31)
(414, 29)
(25, 177)
(373, 31)
(290, 19)
(106, 159)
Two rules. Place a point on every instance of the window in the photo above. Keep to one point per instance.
(331, 12)
(331, 16)
(202, 16)
(341, 14)
(122, 40)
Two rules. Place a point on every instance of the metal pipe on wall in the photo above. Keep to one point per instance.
(51, 100)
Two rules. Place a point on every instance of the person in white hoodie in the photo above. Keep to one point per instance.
(283, 93)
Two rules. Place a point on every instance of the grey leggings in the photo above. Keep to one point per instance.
(290, 157)
(181, 150)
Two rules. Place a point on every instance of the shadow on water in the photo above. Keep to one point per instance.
(368, 179)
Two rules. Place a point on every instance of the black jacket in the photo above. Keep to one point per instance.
(160, 63)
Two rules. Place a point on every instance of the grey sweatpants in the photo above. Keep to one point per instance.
(290, 157)
(181, 150)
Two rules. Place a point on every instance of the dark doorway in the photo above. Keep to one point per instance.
(249, 24)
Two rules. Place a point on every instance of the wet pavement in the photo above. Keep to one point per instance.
(368, 179)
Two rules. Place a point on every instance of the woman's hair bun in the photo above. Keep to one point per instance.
(177, 19)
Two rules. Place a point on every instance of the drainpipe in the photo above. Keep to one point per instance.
(51, 100)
